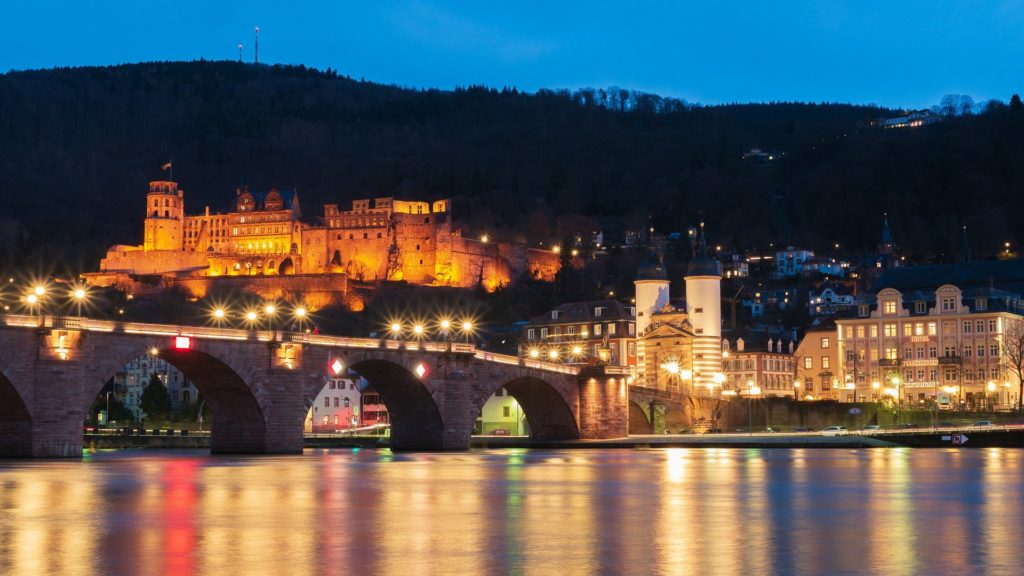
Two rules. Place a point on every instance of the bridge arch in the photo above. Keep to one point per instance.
(15, 421)
(639, 418)
(415, 418)
(237, 421)
(547, 408)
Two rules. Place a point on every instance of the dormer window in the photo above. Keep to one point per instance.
(920, 307)
(889, 307)
(597, 312)
(981, 304)
(948, 305)
(554, 314)
(862, 311)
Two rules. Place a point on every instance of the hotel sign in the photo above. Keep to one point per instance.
(924, 362)
(919, 339)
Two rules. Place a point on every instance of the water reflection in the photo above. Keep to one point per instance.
(675, 511)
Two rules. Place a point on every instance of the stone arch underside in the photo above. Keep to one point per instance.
(15, 422)
(550, 416)
(237, 421)
(639, 418)
(416, 422)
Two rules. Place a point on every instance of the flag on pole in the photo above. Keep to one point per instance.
(166, 166)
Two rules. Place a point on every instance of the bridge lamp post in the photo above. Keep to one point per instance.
(219, 314)
(32, 300)
(467, 329)
(271, 311)
(79, 294)
(396, 330)
(553, 355)
(577, 351)
(534, 353)
(446, 326)
(418, 331)
(300, 316)
(251, 317)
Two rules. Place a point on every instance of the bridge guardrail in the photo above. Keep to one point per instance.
(93, 325)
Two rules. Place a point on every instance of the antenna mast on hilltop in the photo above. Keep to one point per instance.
(257, 44)
(239, 52)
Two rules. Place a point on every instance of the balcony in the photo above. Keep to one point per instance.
(950, 361)
(890, 362)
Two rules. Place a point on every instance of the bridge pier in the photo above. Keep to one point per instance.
(58, 410)
(604, 404)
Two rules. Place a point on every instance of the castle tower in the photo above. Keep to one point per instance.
(165, 212)
(651, 295)
(704, 308)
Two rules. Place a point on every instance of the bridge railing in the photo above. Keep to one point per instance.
(213, 332)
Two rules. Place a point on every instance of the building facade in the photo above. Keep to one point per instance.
(137, 374)
(943, 347)
(263, 238)
(817, 361)
(759, 366)
(598, 331)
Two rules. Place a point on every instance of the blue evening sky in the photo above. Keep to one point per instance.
(900, 53)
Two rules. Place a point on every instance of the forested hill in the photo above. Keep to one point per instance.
(78, 146)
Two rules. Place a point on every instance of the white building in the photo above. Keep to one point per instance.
(129, 384)
(337, 406)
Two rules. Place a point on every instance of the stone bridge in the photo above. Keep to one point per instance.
(259, 385)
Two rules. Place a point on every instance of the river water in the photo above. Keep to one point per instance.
(565, 512)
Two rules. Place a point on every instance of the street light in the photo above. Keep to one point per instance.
(796, 389)
(79, 295)
(396, 330)
(467, 329)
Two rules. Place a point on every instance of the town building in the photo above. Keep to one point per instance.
(598, 331)
(262, 242)
(912, 119)
(798, 262)
(942, 346)
(817, 361)
(829, 299)
(502, 415)
(758, 364)
(338, 405)
(137, 374)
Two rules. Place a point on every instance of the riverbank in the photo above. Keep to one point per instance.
(937, 438)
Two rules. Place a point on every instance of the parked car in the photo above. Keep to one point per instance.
(983, 423)
(499, 432)
(834, 431)
(871, 427)
(803, 429)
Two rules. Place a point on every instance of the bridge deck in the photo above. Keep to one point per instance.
(217, 333)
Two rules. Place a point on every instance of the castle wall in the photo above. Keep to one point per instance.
(314, 290)
(134, 260)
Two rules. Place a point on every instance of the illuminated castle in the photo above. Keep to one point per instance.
(264, 238)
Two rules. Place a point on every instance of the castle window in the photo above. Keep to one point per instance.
(426, 220)
(351, 236)
(417, 247)
(379, 235)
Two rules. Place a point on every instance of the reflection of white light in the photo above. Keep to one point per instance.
(420, 370)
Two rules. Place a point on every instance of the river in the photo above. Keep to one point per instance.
(699, 511)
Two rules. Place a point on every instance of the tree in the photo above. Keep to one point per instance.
(1015, 102)
(155, 401)
(1013, 354)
